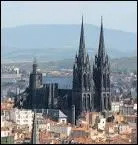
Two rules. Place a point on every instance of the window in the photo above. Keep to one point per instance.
(88, 101)
(63, 121)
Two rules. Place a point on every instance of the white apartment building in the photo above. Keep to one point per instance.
(102, 123)
(5, 132)
(135, 107)
(22, 117)
(2, 121)
(115, 106)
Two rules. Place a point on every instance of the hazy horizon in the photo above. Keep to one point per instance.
(116, 15)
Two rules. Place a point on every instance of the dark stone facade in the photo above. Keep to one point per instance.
(101, 78)
(90, 89)
(82, 79)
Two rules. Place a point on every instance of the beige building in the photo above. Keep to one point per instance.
(63, 130)
(124, 128)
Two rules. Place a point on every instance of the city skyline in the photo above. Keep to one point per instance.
(124, 14)
(83, 95)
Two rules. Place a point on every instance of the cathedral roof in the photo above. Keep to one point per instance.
(54, 113)
(62, 115)
(63, 82)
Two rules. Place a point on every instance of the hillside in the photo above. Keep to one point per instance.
(126, 63)
(57, 42)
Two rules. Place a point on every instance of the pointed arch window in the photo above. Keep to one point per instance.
(88, 101)
(104, 105)
(84, 101)
(85, 80)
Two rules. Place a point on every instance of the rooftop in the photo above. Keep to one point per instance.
(56, 113)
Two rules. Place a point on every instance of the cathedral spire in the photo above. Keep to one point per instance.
(82, 51)
(101, 51)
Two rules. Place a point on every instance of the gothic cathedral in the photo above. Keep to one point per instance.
(90, 85)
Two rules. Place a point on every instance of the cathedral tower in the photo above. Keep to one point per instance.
(34, 84)
(82, 89)
(101, 77)
(35, 77)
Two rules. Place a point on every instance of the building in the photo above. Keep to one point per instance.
(127, 109)
(115, 106)
(63, 130)
(2, 121)
(90, 89)
(101, 124)
(79, 132)
(130, 118)
(22, 117)
(135, 107)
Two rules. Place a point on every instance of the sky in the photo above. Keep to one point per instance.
(121, 15)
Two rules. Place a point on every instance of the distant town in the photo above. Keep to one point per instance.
(16, 129)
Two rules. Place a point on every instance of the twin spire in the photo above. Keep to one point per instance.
(82, 49)
(101, 50)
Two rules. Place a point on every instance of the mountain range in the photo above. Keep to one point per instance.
(61, 41)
